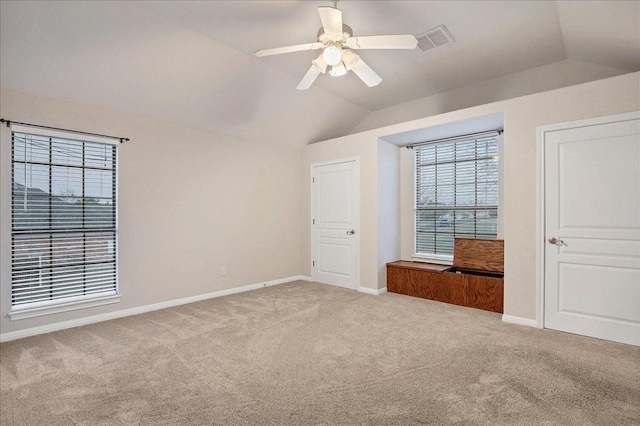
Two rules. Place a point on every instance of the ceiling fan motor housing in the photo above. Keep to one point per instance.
(328, 38)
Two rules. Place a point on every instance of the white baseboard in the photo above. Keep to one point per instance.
(33, 331)
(520, 321)
(372, 291)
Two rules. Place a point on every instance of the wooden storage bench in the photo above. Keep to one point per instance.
(481, 288)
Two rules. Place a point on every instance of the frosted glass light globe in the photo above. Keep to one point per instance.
(338, 70)
(332, 54)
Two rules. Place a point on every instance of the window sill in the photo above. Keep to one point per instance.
(440, 260)
(24, 312)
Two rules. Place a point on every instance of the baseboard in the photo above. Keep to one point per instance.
(34, 331)
(520, 321)
(372, 291)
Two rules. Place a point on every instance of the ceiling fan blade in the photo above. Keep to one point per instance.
(331, 20)
(405, 41)
(289, 49)
(308, 78)
(364, 71)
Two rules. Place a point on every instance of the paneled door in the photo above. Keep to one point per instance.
(592, 228)
(335, 211)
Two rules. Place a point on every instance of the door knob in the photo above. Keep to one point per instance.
(351, 232)
(554, 240)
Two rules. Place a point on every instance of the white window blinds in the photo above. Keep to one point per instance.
(456, 194)
(63, 227)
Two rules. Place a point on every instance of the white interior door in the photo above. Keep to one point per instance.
(592, 224)
(335, 215)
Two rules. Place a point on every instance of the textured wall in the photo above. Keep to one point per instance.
(522, 116)
(190, 202)
(535, 80)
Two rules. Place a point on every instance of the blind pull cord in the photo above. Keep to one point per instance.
(24, 206)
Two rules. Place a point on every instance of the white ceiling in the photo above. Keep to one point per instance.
(485, 47)
(193, 63)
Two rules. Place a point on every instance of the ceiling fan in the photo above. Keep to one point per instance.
(338, 44)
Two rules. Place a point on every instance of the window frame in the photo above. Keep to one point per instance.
(448, 259)
(70, 303)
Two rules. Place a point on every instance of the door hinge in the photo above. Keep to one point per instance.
(314, 221)
(314, 263)
(313, 179)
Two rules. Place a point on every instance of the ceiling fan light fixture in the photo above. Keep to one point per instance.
(338, 70)
(332, 54)
(320, 64)
(349, 58)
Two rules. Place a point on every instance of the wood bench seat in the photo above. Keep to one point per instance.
(432, 281)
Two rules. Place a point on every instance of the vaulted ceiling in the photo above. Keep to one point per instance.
(192, 62)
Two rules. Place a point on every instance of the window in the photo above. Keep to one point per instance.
(63, 227)
(456, 194)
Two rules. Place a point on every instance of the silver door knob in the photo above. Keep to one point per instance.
(351, 232)
(554, 240)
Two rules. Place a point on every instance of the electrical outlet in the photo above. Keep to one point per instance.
(223, 270)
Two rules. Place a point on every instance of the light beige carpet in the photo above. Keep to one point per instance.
(312, 354)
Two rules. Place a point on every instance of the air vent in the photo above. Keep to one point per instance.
(434, 37)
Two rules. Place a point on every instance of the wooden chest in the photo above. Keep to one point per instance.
(481, 286)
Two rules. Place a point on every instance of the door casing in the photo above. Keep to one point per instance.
(314, 236)
(541, 224)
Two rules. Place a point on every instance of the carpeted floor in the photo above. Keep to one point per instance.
(311, 354)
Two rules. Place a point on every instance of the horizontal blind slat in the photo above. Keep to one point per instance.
(44, 291)
(46, 286)
(62, 275)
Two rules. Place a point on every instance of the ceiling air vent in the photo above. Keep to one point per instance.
(434, 37)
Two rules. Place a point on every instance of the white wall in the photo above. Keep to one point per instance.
(379, 218)
(521, 118)
(358, 146)
(534, 80)
(193, 201)
(190, 202)
(388, 207)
